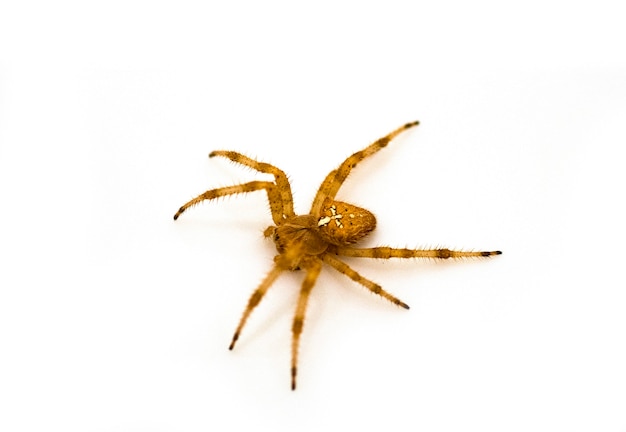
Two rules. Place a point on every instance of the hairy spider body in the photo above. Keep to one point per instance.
(330, 230)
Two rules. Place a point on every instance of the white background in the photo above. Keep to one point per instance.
(113, 317)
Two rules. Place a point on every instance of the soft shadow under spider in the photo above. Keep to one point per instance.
(329, 231)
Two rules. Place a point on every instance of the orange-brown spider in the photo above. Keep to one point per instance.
(328, 231)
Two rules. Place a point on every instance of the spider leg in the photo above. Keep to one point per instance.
(387, 252)
(273, 195)
(254, 300)
(279, 176)
(313, 268)
(342, 267)
(333, 181)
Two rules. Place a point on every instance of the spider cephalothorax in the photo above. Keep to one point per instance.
(330, 229)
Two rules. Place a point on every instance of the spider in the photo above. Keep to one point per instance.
(327, 232)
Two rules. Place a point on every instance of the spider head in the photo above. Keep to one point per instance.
(295, 237)
(343, 224)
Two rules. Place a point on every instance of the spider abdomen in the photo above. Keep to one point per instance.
(341, 223)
